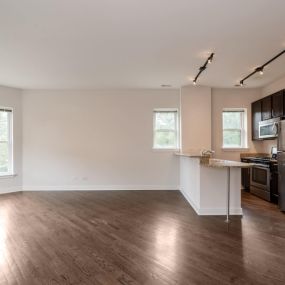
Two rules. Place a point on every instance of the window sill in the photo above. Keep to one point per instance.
(235, 148)
(165, 149)
(8, 175)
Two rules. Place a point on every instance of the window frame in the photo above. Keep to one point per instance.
(243, 129)
(10, 171)
(176, 130)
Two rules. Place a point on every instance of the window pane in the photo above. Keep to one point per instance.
(232, 138)
(165, 139)
(232, 120)
(4, 157)
(165, 120)
(4, 116)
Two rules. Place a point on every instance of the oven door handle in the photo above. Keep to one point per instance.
(260, 166)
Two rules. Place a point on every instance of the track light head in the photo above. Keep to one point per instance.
(194, 82)
(210, 59)
(241, 83)
(260, 70)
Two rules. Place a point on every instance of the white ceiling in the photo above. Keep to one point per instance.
(138, 43)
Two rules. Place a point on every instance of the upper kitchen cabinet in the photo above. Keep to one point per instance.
(272, 106)
(256, 118)
(266, 108)
(278, 104)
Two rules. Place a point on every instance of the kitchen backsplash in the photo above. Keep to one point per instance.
(268, 144)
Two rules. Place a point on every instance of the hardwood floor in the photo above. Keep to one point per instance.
(136, 237)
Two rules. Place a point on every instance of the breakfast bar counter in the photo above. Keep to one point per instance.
(211, 186)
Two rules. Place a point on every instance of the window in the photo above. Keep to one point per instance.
(6, 142)
(234, 128)
(165, 125)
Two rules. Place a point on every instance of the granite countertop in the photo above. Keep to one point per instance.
(192, 153)
(189, 153)
(220, 163)
(213, 162)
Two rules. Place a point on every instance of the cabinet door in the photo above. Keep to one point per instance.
(278, 104)
(245, 176)
(256, 118)
(266, 108)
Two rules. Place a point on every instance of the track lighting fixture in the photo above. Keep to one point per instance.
(260, 69)
(203, 67)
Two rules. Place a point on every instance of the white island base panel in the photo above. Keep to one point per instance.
(205, 188)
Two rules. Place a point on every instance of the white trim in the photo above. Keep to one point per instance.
(7, 175)
(99, 187)
(243, 130)
(165, 149)
(10, 189)
(235, 148)
(180, 118)
(165, 109)
(234, 109)
(10, 140)
(176, 131)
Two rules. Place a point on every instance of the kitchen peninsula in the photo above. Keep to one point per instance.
(211, 186)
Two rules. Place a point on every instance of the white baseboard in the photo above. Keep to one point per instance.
(99, 187)
(10, 189)
(211, 211)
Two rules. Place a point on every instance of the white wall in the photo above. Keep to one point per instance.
(196, 117)
(95, 140)
(201, 118)
(232, 98)
(11, 97)
(273, 87)
(81, 139)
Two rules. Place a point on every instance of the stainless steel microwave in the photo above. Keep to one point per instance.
(269, 128)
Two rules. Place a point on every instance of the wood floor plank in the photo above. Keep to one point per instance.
(138, 238)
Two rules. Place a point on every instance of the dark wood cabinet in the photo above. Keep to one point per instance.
(245, 175)
(256, 118)
(266, 108)
(278, 104)
(272, 106)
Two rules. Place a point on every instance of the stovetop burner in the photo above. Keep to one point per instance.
(262, 160)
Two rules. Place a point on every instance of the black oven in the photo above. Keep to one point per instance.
(260, 181)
